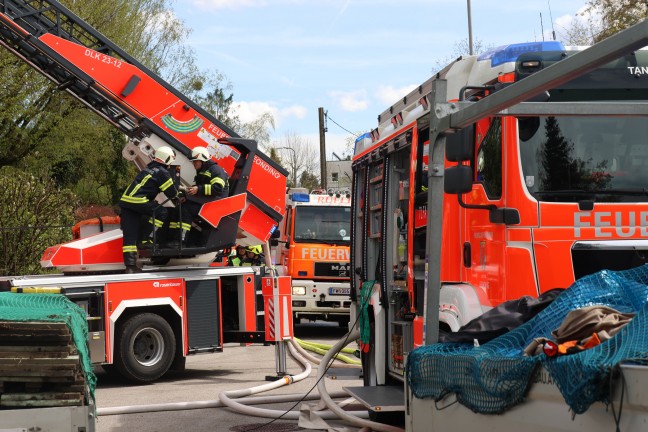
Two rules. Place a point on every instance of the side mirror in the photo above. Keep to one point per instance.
(458, 180)
(274, 242)
(460, 146)
(276, 234)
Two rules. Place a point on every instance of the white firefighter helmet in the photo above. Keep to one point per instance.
(200, 154)
(165, 155)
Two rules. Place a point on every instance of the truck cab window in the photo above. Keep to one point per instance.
(489, 160)
(568, 159)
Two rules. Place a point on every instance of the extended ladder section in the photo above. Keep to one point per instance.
(150, 111)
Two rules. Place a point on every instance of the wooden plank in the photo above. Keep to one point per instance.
(18, 327)
(40, 396)
(43, 379)
(39, 366)
(39, 404)
(44, 399)
(36, 339)
(39, 372)
(52, 325)
(21, 385)
(53, 331)
(35, 349)
(12, 363)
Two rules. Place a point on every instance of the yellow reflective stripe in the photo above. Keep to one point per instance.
(134, 200)
(186, 226)
(218, 180)
(166, 185)
(127, 249)
(207, 189)
(157, 222)
(174, 225)
(205, 173)
(142, 183)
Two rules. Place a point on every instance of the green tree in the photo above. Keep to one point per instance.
(42, 128)
(603, 18)
(615, 15)
(35, 215)
(309, 180)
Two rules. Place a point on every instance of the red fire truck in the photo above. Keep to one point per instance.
(462, 201)
(313, 249)
(143, 324)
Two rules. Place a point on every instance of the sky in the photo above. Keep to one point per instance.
(354, 58)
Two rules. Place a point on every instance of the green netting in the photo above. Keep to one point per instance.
(52, 308)
(496, 375)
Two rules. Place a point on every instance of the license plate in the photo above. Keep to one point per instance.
(340, 291)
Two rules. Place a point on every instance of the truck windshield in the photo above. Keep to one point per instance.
(322, 224)
(570, 159)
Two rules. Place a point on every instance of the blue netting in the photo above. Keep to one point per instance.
(495, 376)
(52, 308)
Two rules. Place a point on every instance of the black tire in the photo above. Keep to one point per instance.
(144, 348)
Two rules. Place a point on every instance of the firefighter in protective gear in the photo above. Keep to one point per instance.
(211, 181)
(140, 213)
(236, 259)
(252, 256)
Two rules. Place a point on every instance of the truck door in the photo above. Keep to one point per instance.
(484, 241)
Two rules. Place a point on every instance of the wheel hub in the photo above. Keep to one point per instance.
(148, 346)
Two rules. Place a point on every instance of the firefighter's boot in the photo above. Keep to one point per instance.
(130, 261)
(177, 244)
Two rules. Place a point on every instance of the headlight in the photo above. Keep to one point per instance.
(299, 290)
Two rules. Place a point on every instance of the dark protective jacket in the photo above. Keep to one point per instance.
(249, 262)
(212, 180)
(236, 261)
(153, 179)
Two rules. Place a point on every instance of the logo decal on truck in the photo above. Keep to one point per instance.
(157, 284)
(607, 224)
(331, 254)
(182, 126)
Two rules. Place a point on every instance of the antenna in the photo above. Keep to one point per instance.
(553, 32)
(541, 27)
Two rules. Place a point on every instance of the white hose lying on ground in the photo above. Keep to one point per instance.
(346, 415)
(181, 406)
(226, 396)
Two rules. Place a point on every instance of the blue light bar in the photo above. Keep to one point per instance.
(510, 53)
(300, 197)
(365, 135)
(361, 143)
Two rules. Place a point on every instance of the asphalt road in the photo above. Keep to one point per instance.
(237, 367)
